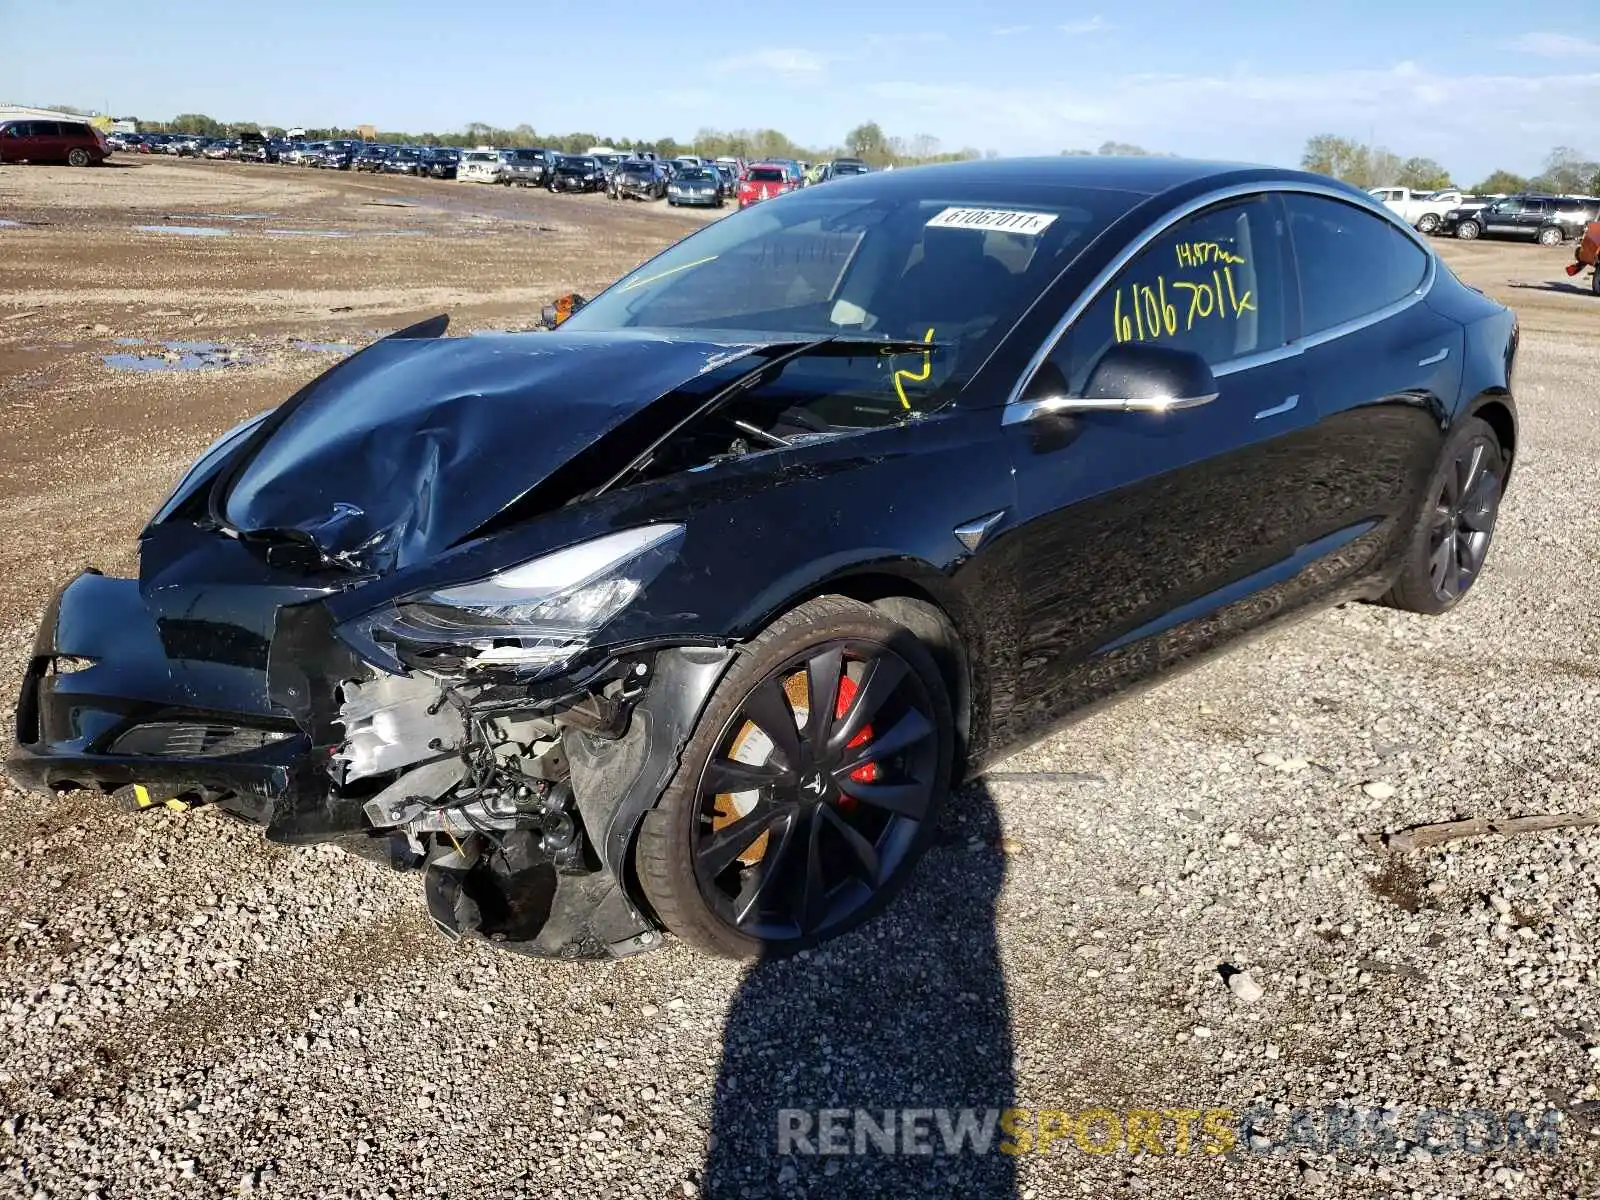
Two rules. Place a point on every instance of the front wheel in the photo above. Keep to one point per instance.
(77, 157)
(1428, 223)
(1468, 230)
(808, 790)
(1452, 536)
(1550, 236)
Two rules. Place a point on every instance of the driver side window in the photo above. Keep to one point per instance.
(1212, 284)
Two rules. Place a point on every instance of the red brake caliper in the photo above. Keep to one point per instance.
(866, 772)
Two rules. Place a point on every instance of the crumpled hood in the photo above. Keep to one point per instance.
(405, 448)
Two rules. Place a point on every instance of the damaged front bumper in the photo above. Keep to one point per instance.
(518, 802)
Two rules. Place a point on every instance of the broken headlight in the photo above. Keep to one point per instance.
(533, 618)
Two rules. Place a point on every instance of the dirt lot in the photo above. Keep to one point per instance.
(189, 1011)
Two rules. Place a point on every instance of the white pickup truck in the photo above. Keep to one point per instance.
(1423, 211)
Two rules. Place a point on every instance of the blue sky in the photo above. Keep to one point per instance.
(1475, 84)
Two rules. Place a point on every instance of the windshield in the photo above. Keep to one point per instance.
(956, 273)
(478, 156)
(696, 175)
(765, 175)
(849, 168)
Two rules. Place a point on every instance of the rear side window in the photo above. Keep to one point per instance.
(1352, 263)
(73, 129)
(1212, 284)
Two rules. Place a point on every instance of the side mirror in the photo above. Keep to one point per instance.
(1130, 377)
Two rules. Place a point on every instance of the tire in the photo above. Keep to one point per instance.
(697, 851)
(78, 157)
(1468, 230)
(1594, 279)
(1456, 525)
(1550, 236)
(1428, 222)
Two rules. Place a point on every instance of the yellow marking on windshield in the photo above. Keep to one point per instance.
(638, 283)
(902, 377)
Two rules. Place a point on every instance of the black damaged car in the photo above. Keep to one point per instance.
(688, 613)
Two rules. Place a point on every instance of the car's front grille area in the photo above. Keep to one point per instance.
(190, 739)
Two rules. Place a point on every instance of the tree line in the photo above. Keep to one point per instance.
(1566, 170)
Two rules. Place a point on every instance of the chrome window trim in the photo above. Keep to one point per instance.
(1188, 209)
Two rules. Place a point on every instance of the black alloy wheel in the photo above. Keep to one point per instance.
(792, 821)
(1450, 547)
(1463, 518)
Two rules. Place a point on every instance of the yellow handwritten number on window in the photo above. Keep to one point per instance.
(903, 377)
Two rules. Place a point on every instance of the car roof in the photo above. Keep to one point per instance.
(1140, 176)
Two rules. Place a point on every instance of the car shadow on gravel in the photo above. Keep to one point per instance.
(908, 1013)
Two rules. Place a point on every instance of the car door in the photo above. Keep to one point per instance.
(1502, 216)
(28, 141)
(1382, 372)
(1532, 218)
(1141, 539)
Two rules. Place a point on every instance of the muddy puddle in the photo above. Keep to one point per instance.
(185, 230)
(172, 356)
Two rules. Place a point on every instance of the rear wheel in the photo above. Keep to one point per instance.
(809, 789)
(1550, 236)
(77, 157)
(1452, 539)
(1594, 280)
(1468, 230)
(1428, 222)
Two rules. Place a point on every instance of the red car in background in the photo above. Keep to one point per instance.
(36, 140)
(762, 181)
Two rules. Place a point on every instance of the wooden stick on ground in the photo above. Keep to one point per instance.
(1420, 837)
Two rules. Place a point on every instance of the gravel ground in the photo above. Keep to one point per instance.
(192, 1012)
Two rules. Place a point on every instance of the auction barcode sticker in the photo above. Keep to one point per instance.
(1000, 220)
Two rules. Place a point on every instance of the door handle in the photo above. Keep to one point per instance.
(1434, 358)
(1028, 410)
(1277, 410)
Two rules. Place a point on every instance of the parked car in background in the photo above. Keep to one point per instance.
(339, 155)
(729, 176)
(441, 162)
(1423, 211)
(252, 147)
(764, 180)
(700, 186)
(839, 168)
(524, 166)
(218, 148)
(638, 179)
(403, 160)
(1549, 220)
(32, 140)
(479, 166)
(576, 173)
(372, 157)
